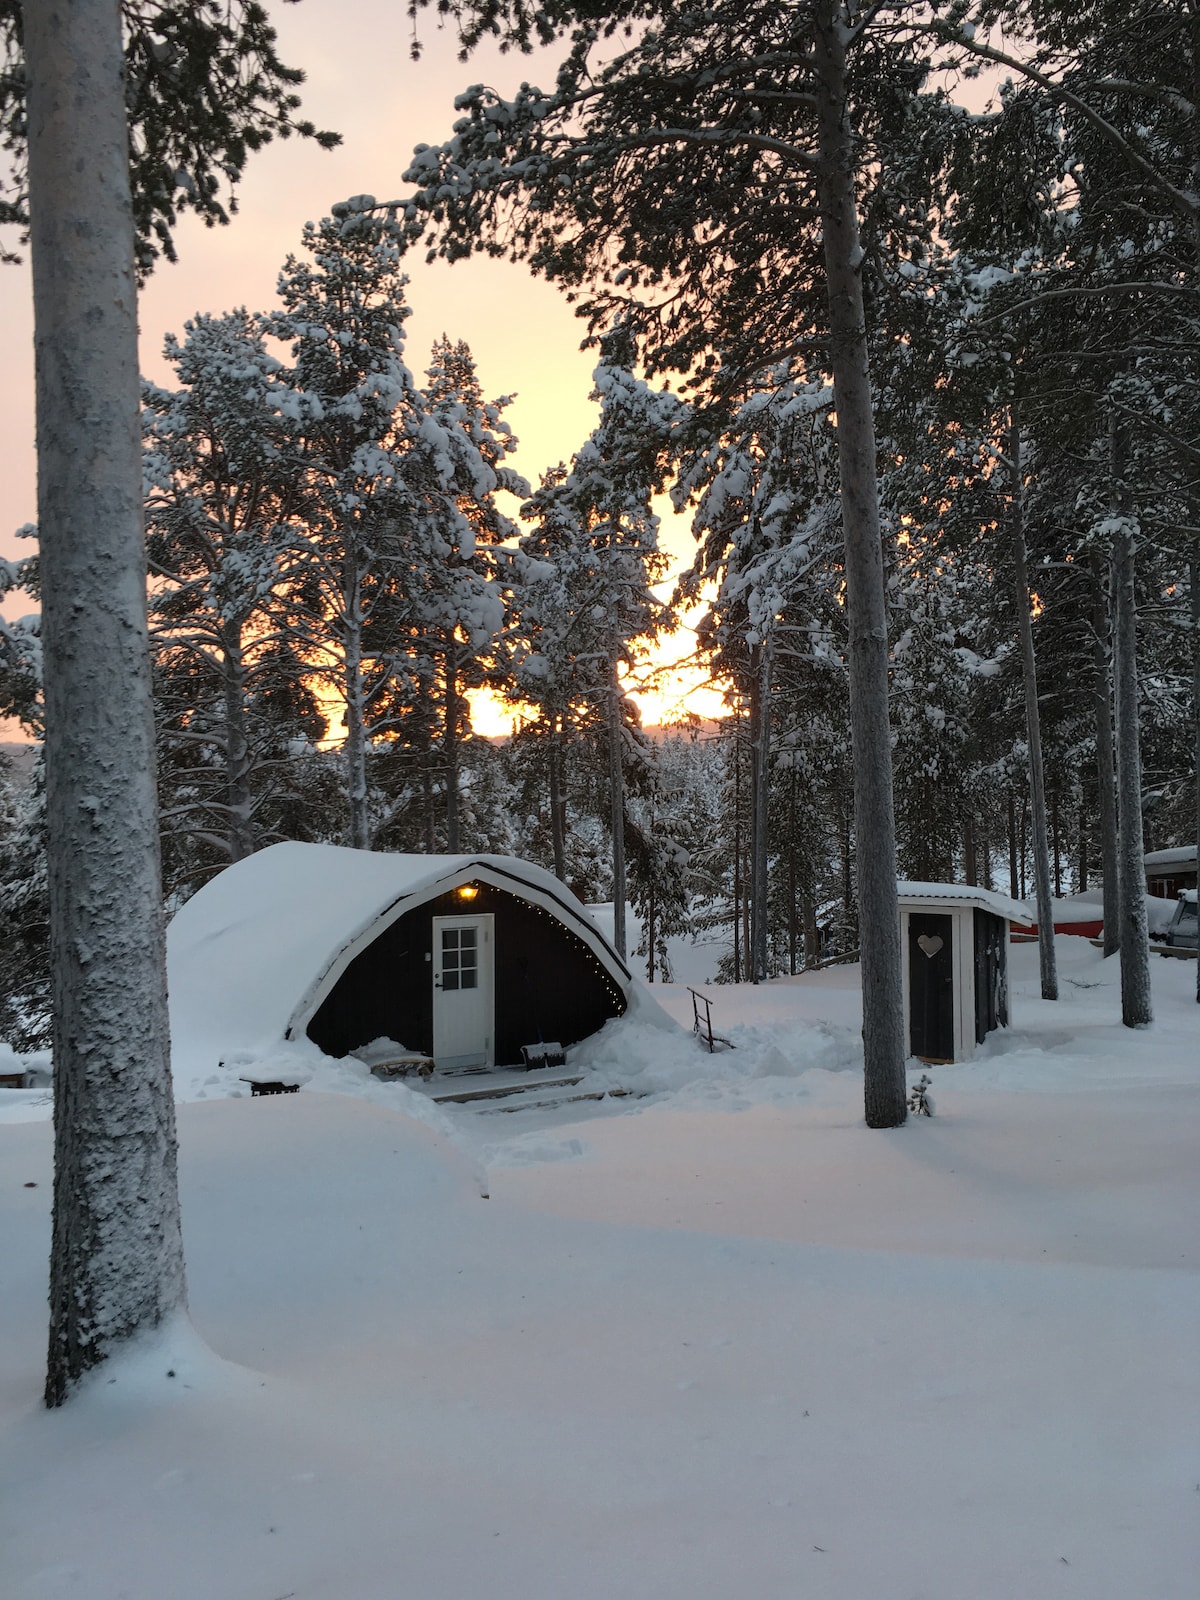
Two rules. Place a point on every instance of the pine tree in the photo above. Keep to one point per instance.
(116, 1260)
(224, 473)
(682, 189)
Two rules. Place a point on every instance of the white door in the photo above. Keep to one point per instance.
(463, 1007)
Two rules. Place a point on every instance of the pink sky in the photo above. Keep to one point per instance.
(362, 82)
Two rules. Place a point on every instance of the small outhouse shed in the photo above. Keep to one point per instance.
(465, 960)
(955, 961)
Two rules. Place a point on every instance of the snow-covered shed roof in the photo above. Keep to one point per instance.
(1179, 855)
(253, 953)
(960, 894)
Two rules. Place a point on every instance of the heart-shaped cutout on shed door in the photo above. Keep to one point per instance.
(930, 944)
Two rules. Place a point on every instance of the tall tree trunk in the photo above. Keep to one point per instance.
(354, 752)
(558, 831)
(1136, 1007)
(793, 887)
(1056, 834)
(237, 752)
(1194, 584)
(116, 1261)
(849, 906)
(616, 782)
(650, 934)
(1081, 858)
(1105, 761)
(427, 797)
(450, 747)
(760, 769)
(985, 855)
(737, 845)
(970, 866)
(1033, 726)
(884, 1048)
(1014, 876)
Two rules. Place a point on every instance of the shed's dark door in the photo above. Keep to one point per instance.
(931, 985)
(991, 985)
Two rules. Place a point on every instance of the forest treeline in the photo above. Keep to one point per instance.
(334, 538)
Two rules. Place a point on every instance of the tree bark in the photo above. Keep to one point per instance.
(558, 830)
(737, 844)
(355, 749)
(760, 769)
(1014, 877)
(237, 752)
(793, 887)
(1136, 1007)
(1056, 834)
(1194, 584)
(970, 866)
(450, 748)
(116, 1264)
(1033, 727)
(1105, 763)
(884, 1048)
(616, 781)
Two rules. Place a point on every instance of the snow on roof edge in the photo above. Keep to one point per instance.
(1001, 905)
(1177, 855)
(251, 945)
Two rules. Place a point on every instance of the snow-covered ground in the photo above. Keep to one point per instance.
(718, 1341)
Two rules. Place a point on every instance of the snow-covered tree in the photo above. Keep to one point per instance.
(225, 483)
(108, 167)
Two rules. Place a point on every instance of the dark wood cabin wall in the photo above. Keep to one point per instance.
(546, 980)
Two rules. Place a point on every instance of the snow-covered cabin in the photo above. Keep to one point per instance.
(1169, 871)
(464, 959)
(955, 963)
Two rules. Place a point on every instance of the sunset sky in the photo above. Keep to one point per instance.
(361, 82)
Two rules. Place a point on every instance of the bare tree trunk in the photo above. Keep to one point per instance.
(970, 868)
(450, 748)
(650, 933)
(1194, 585)
(1014, 876)
(1105, 763)
(355, 749)
(237, 753)
(793, 887)
(1136, 1007)
(1081, 861)
(427, 797)
(737, 846)
(760, 769)
(849, 906)
(985, 855)
(1056, 834)
(116, 1263)
(616, 782)
(558, 831)
(884, 1047)
(1033, 727)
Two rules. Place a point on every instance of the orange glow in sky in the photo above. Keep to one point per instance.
(524, 336)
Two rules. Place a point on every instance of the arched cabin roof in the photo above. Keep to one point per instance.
(252, 954)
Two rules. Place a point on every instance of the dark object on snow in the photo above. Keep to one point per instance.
(543, 1055)
(272, 1087)
(12, 1080)
(919, 1101)
(702, 1026)
(402, 1066)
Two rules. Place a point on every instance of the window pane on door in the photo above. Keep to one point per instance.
(468, 958)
